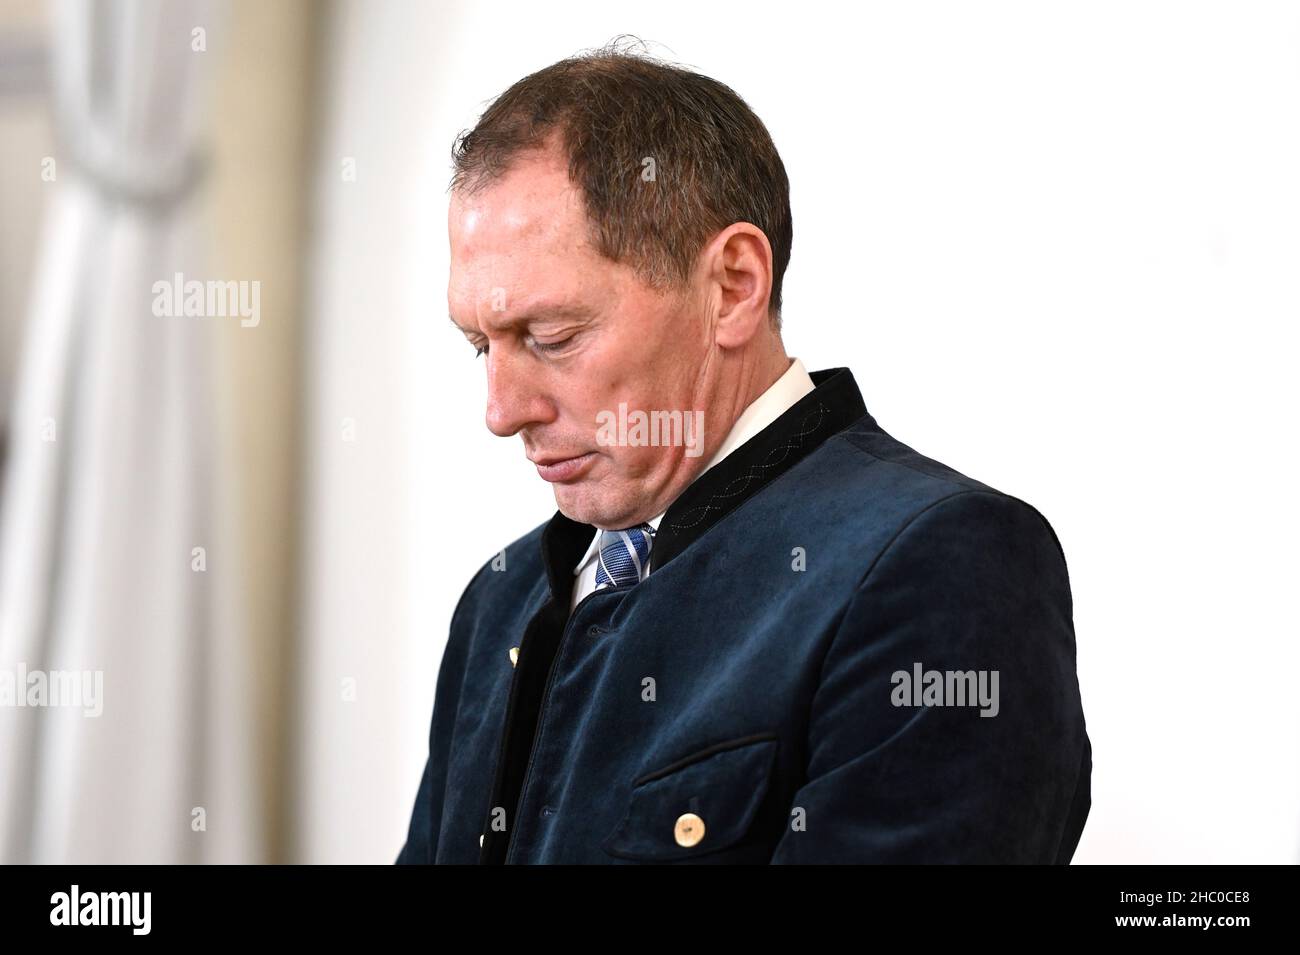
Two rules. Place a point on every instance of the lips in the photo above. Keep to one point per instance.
(547, 460)
(555, 468)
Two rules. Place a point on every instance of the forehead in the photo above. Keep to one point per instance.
(521, 233)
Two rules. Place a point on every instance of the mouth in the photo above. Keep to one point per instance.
(558, 470)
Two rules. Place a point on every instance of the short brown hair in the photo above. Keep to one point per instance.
(714, 162)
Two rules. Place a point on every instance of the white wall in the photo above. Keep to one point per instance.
(1056, 245)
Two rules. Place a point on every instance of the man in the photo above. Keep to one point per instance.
(759, 628)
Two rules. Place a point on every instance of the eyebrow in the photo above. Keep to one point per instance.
(541, 313)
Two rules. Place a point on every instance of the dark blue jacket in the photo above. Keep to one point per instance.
(744, 702)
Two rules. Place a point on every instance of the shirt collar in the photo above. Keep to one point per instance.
(762, 411)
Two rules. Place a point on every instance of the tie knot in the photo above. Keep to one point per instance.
(624, 555)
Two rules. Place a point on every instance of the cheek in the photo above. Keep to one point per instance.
(582, 403)
(637, 463)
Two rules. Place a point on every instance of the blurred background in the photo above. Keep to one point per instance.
(1057, 244)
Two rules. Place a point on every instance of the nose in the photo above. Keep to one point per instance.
(514, 399)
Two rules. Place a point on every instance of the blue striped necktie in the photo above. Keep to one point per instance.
(623, 554)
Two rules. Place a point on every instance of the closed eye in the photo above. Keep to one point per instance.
(544, 347)
(551, 346)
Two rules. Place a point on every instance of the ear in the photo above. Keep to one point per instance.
(738, 270)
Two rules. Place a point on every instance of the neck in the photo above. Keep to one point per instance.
(737, 387)
(756, 374)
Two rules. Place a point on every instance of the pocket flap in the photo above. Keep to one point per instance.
(698, 804)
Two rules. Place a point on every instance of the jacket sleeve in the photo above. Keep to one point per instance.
(421, 846)
(975, 582)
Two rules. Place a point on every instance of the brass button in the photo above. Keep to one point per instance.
(689, 829)
(514, 656)
(480, 840)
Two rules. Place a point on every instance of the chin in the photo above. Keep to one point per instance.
(579, 504)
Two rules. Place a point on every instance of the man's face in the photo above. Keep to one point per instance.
(571, 336)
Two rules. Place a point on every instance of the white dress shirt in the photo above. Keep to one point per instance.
(762, 411)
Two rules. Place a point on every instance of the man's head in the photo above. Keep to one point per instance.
(619, 230)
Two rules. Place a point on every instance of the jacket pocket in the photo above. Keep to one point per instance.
(696, 805)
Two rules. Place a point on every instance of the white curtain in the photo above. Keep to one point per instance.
(114, 479)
